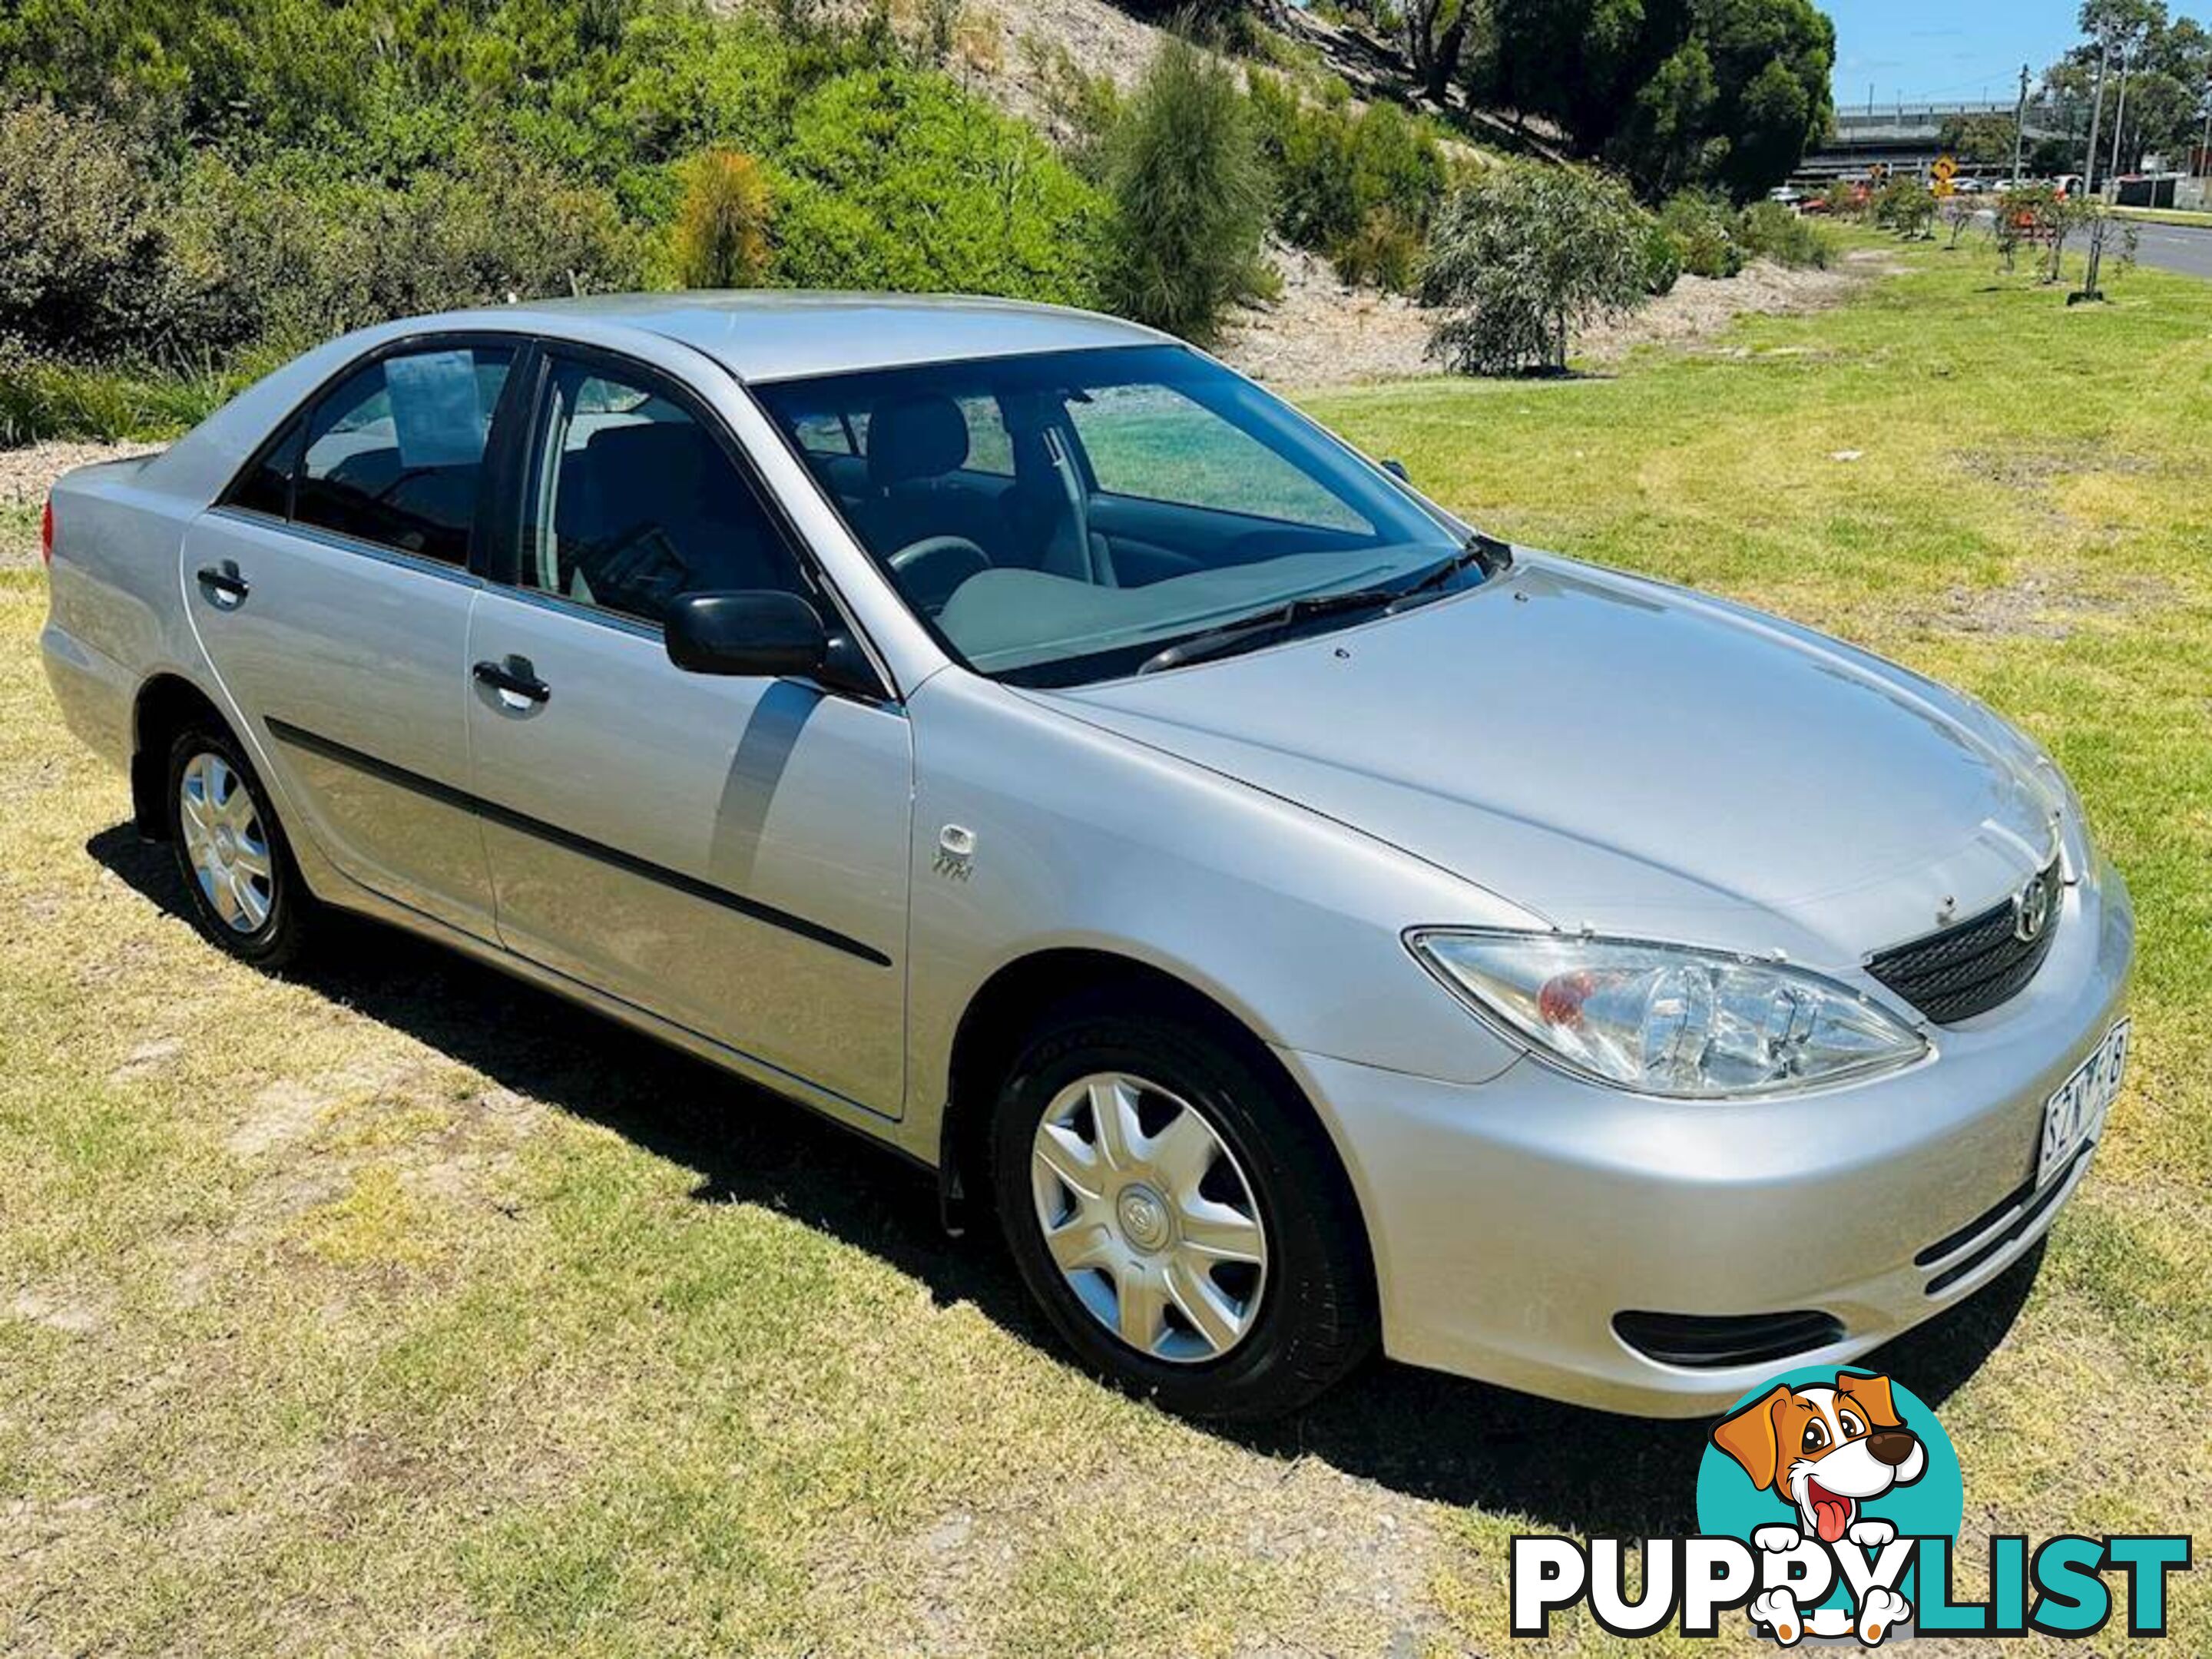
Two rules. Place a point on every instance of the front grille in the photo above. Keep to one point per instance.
(1710, 1342)
(1970, 968)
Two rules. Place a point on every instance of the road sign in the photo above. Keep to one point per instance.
(1943, 173)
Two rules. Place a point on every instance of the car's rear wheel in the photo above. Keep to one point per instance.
(1179, 1213)
(245, 891)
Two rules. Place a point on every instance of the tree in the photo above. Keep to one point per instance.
(1190, 194)
(1665, 137)
(1772, 62)
(2169, 64)
(1436, 35)
(1983, 141)
(1670, 92)
(1526, 255)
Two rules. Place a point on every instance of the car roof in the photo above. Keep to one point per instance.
(778, 334)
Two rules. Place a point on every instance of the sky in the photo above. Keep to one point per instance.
(1927, 50)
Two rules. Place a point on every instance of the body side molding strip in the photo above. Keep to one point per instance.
(330, 749)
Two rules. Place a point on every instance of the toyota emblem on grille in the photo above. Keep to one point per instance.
(2031, 910)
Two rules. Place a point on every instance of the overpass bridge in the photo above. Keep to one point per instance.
(1909, 137)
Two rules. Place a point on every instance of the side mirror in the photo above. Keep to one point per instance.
(1397, 470)
(765, 634)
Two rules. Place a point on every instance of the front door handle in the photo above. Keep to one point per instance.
(222, 581)
(515, 681)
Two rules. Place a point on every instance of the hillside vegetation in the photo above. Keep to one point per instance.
(192, 189)
(194, 182)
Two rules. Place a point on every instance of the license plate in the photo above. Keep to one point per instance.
(2074, 1113)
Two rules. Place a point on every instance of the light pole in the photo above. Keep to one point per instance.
(2019, 127)
(2120, 117)
(2096, 116)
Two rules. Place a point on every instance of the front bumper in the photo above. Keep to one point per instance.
(1512, 1221)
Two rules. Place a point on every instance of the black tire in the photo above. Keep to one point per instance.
(277, 939)
(1316, 1317)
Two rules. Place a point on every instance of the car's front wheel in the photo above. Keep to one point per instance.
(245, 891)
(1179, 1214)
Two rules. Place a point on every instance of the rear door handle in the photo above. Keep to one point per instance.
(515, 681)
(222, 581)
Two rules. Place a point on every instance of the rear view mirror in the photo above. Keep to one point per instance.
(766, 634)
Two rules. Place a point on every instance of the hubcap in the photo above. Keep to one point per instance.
(225, 843)
(1149, 1217)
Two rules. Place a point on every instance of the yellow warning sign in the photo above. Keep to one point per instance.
(1942, 173)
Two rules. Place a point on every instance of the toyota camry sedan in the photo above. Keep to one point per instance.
(1304, 923)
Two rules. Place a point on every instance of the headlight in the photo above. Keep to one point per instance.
(1665, 1019)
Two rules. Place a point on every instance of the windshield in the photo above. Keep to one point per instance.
(1061, 518)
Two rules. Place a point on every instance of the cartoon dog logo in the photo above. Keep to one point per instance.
(1826, 1452)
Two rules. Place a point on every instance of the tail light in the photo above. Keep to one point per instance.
(46, 533)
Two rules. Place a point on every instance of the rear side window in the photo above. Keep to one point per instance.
(393, 454)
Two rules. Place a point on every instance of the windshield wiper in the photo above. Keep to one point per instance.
(1249, 631)
(1487, 552)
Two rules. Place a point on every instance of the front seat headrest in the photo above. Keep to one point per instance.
(924, 436)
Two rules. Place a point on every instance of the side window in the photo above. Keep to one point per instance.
(394, 453)
(990, 446)
(267, 485)
(827, 435)
(1153, 443)
(632, 502)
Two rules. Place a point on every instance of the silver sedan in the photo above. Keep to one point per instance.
(1304, 922)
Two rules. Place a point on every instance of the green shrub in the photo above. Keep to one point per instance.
(1227, 24)
(1704, 232)
(287, 254)
(1525, 255)
(188, 178)
(1190, 196)
(1081, 108)
(1334, 169)
(84, 262)
(722, 225)
(895, 178)
(1663, 260)
(1385, 253)
(1768, 230)
(1905, 206)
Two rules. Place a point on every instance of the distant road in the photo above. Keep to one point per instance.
(2171, 247)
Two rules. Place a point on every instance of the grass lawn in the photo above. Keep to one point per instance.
(398, 1308)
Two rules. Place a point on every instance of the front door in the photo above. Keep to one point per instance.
(330, 588)
(729, 853)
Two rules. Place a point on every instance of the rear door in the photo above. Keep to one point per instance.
(331, 588)
(729, 853)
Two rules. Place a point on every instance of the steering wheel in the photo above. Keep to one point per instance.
(931, 568)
